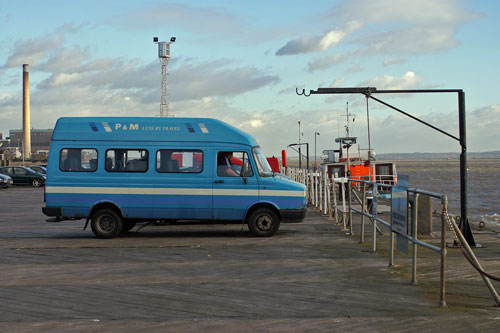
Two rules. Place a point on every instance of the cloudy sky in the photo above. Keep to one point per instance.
(242, 61)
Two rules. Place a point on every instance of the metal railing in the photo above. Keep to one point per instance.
(413, 237)
(323, 192)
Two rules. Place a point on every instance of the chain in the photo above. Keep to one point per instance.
(466, 255)
(448, 218)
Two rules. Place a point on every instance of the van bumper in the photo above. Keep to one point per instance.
(293, 215)
(52, 211)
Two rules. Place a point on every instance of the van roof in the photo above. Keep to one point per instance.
(148, 129)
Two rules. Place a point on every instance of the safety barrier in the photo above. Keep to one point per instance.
(324, 191)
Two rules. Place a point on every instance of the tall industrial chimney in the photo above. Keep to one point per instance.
(26, 113)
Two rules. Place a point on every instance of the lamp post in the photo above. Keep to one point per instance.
(10, 152)
(300, 155)
(315, 165)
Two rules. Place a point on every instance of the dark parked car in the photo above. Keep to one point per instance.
(23, 175)
(38, 168)
(5, 181)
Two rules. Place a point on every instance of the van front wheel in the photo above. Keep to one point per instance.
(263, 222)
(106, 224)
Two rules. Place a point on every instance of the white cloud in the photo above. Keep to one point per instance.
(409, 80)
(326, 62)
(192, 80)
(398, 133)
(338, 82)
(35, 50)
(393, 61)
(388, 27)
(309, 44)
(355, 69)
(194, 19)
(71, 82)
(406, 26)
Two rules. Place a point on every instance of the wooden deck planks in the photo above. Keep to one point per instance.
(309, 277)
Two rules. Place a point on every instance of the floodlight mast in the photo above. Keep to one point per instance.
(164, 57)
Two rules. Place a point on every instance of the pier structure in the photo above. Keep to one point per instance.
(309, 277)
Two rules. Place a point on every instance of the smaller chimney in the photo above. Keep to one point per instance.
(26, 113)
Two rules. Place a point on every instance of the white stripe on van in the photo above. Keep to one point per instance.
(228, 191)
(171, 191)
(278, 193)
(128, 190)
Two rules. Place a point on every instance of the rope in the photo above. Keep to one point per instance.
(466, 255)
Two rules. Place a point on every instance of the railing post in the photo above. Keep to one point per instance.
(363, 209)
(414, 219)
(349, 186)
(329, 199)
(391, 248)
(442, 296)
(334, 195)
(326, 188)
(311, 177)
(313, 184)
(344, 214)
(374, 217)
(320, 192)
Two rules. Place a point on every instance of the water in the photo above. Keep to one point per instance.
(443, 176)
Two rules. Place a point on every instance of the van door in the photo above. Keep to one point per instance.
(235, 186)
(184, 178)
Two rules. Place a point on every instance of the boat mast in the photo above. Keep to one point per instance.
(348, 145)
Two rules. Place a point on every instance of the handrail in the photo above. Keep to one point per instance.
(319, 186)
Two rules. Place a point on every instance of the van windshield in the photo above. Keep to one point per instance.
(262, 164)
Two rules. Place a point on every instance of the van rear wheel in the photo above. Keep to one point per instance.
(106, 224)
(263, 222)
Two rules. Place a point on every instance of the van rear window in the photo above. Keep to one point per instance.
(127, 160)
(78, 160)
(179, 161)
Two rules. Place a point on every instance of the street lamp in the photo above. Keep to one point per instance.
(300, 155)
(315, 165)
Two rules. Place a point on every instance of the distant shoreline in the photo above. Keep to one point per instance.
(437, 156)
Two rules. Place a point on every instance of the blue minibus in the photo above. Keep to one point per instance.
(118, 171)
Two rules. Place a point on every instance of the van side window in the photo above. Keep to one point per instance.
(233, 164)
(126, 160)
(179, 161)
(78, 159)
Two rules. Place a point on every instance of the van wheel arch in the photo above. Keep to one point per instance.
(105, 205)
(262, 205)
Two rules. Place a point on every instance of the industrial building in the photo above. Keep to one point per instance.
(40, 143)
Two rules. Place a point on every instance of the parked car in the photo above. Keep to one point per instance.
(23, 176)
(38, 168)
(5, 181)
